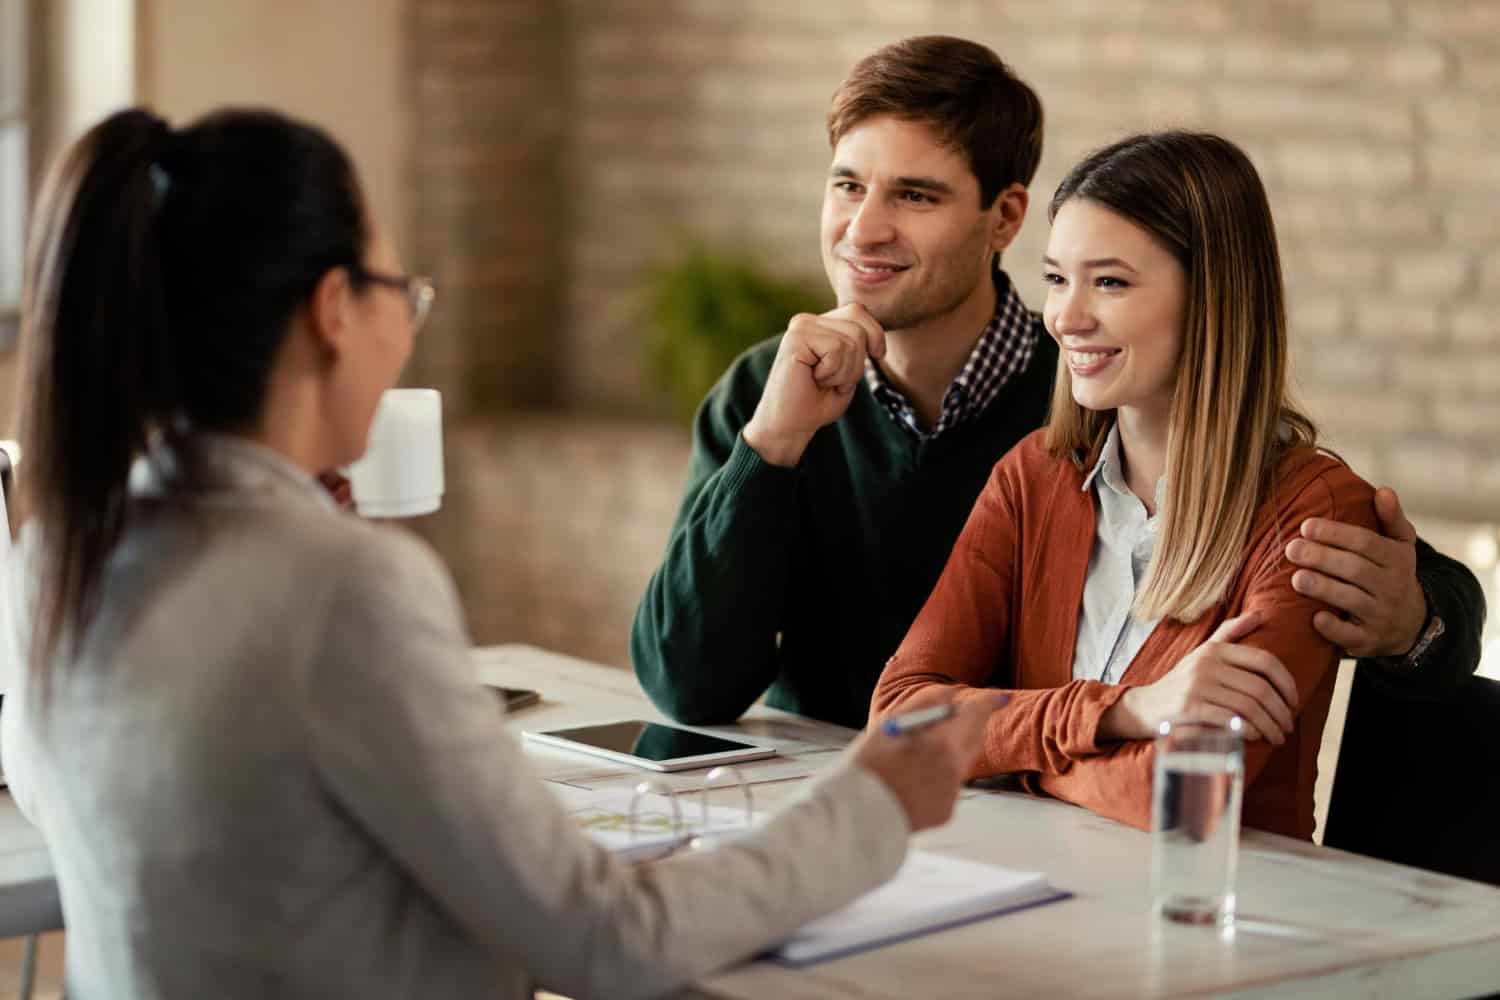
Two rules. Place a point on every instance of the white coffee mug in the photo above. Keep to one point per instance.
(401, 472)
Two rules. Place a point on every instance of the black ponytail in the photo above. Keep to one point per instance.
(162, 271)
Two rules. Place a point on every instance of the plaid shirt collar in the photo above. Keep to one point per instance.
(1004, 348)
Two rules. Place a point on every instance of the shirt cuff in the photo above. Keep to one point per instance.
(745, 469)
(1104, 697)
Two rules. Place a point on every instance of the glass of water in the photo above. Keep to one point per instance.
(1195, 820)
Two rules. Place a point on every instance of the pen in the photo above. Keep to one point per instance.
(910, 722)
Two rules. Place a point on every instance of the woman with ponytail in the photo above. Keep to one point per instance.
(1127, 563)
(247, 723)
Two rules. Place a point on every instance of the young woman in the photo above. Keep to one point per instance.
(248, 725)
(1126, 563)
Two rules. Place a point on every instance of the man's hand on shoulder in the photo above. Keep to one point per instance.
(816, 371)
(1371, 577)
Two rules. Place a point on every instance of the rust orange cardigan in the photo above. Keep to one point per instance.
(1005, 614)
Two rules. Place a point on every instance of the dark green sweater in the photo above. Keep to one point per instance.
(837, 556)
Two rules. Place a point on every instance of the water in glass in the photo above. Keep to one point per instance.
(1196, 821)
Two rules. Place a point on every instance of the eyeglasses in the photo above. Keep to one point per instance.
(419, 292)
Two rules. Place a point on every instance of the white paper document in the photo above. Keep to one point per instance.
(928, 893)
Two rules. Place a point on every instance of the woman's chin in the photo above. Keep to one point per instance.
(1094, 401)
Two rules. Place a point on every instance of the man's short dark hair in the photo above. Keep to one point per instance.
(960, 89)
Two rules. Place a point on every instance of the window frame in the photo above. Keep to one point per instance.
(25, 115)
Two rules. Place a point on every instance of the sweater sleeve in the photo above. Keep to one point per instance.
(1456, 597)
(704, 638)
(961, 638)
(416, 754)
(1117, 784)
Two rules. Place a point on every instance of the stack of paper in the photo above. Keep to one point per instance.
(928, 893)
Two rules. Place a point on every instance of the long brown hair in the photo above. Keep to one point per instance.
(1231, 418)
(162, 270)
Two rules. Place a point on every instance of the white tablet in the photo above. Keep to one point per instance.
(651, 744)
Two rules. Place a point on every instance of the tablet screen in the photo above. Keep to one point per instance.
(649, 740)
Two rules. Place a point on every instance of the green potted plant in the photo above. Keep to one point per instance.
(702, 308)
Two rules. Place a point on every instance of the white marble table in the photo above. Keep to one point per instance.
(1314, 922)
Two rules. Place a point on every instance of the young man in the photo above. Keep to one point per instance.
(834, 466)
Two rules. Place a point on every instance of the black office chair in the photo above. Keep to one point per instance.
(10, 453)
(1418, 780)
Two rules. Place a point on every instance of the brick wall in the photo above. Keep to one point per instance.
(486, 100)
(552, 526)
(559, 149)
(1371, 121)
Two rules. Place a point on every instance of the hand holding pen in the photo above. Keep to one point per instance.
(925, 754)
(914, 721)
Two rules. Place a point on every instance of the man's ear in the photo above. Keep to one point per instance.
(328, 310)
(1007, 214)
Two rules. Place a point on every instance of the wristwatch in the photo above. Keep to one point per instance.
(1431, 631)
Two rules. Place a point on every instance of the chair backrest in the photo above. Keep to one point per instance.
(8, 666)
(10, 456)
(1418, 780)
(7, 478)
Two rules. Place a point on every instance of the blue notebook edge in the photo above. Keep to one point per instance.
(1046, 898)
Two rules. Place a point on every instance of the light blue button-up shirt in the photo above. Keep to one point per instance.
(1109, 636)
